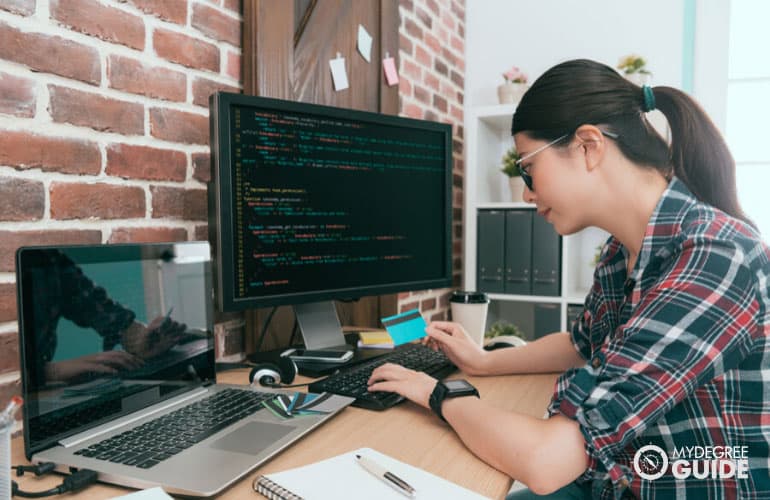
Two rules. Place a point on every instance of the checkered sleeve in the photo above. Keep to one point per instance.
(693, 325)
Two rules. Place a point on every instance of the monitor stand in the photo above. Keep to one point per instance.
(320, 326)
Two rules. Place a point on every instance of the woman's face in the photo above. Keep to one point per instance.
(560, 181)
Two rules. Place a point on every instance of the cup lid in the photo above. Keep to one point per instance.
(468, 297)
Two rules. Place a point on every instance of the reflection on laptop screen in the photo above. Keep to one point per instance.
(110, 329)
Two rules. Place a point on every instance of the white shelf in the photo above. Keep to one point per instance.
(488, 136)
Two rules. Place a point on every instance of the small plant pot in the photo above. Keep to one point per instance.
(510, 93)
(517, 188)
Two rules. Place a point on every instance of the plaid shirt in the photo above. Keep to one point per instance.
(678, 353)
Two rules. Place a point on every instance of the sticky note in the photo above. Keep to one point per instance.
(405, 327)
(339, 75)
(364, 43)
(391, 73)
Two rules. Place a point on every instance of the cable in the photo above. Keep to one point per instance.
(38, 469)
(72, 483)
(264, 328)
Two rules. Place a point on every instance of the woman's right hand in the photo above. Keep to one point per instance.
(453, 341)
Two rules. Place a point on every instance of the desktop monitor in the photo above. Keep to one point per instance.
(309, 204)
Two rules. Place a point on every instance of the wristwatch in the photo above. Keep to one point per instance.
(449, 389)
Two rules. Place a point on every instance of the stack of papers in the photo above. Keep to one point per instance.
(377, 339)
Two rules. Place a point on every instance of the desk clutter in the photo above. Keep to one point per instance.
(343, 476)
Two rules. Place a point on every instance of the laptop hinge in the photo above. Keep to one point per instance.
(77, 439)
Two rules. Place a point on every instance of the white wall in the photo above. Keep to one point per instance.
(536, 34)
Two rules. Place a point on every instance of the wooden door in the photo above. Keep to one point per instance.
(286, 52)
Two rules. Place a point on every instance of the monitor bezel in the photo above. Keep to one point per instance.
(221, 220)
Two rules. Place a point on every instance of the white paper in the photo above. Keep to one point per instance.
(364, 43)
(150, 494)
(341, 477)
(339, 75)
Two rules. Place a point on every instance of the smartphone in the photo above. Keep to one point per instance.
(318, 355)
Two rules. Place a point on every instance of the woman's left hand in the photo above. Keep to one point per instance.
(414, 386)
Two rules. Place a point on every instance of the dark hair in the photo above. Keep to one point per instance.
(581, 91)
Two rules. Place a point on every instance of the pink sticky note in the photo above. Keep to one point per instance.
(391, 73)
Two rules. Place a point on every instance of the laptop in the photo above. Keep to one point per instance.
(118, 373)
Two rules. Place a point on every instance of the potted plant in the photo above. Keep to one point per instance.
(504, 332)
(634, 68)
(510, 169)
(513, 88)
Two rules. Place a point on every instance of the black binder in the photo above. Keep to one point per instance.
(518, 251)
(490, 251)
(547, 319)
(546, 258)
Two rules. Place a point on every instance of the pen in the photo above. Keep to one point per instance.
(391, 479)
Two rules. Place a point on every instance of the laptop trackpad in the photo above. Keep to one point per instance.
(252, 438)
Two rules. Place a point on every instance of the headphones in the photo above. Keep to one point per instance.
(274, 373)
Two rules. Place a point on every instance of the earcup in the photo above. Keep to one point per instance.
(273, 373)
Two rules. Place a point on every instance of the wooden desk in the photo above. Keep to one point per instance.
(406, 432)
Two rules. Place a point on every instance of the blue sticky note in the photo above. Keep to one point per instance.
(405, 327)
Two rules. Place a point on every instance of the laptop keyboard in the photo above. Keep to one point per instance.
(159, 439)
(353, 381)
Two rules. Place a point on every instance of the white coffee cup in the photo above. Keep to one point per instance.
(470, 310)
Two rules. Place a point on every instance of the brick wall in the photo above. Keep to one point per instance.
(104, 124)
(432, 74)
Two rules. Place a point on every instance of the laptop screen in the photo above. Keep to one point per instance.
(108, 330)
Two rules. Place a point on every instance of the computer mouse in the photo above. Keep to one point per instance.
(504, 341)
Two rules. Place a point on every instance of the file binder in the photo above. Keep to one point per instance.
(518, 251)
(546, 258)
(490, 251)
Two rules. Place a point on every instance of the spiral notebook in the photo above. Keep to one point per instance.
(341, 477)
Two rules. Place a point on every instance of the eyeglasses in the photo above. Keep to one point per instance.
(524, 171)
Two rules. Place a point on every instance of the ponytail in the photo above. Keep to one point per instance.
(581, 91)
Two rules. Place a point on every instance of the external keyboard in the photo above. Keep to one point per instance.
(163, 437)
(352, 381)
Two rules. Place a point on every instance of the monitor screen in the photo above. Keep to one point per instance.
(314, 203)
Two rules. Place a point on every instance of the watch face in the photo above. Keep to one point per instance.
(457, 385)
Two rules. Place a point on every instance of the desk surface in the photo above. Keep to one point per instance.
(432, 445)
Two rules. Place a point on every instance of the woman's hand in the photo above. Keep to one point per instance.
(414, 386)
(100, 363)
(453, 341)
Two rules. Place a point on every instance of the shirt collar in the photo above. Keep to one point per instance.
(665, 225)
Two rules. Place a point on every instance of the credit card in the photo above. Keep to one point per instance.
(405, 327)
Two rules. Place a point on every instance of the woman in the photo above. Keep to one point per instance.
(672, 347)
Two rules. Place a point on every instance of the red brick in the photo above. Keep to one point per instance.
(457, 79)
(94, 111)
(444, 300)
(441, 67)
(93, 18)
(12, 240)
(449, 56)
(409, 306)
(433, 6)
(50, 54)
(421, 94)
(202, 88)
(458, 44)
(201, 233)
(7, 302)
(432, 42)
(448, 21)
(216, 24)
(404, 87)
(9, 352)
(234, 5)
(440, 103)
(147, 234)
(185, 50)
(439, 316)
(23, 7)
(96, 201)
(424, 18)
(413, 111)
(406, 5)
(179, 203)
(234, 65)
(21, 199)
(131, 75)
(201, 163)
(422, 56)
(411, 70)
(17, 96)
(431, 81)
(405, 44)
(431, 115)
(403, 295)
(179, 126)
(142, 162)
(412, 29)
(24, 150)
(428, 304)
(458, 10)
(170, 10)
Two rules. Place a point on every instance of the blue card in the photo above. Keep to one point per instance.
(405, 327)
